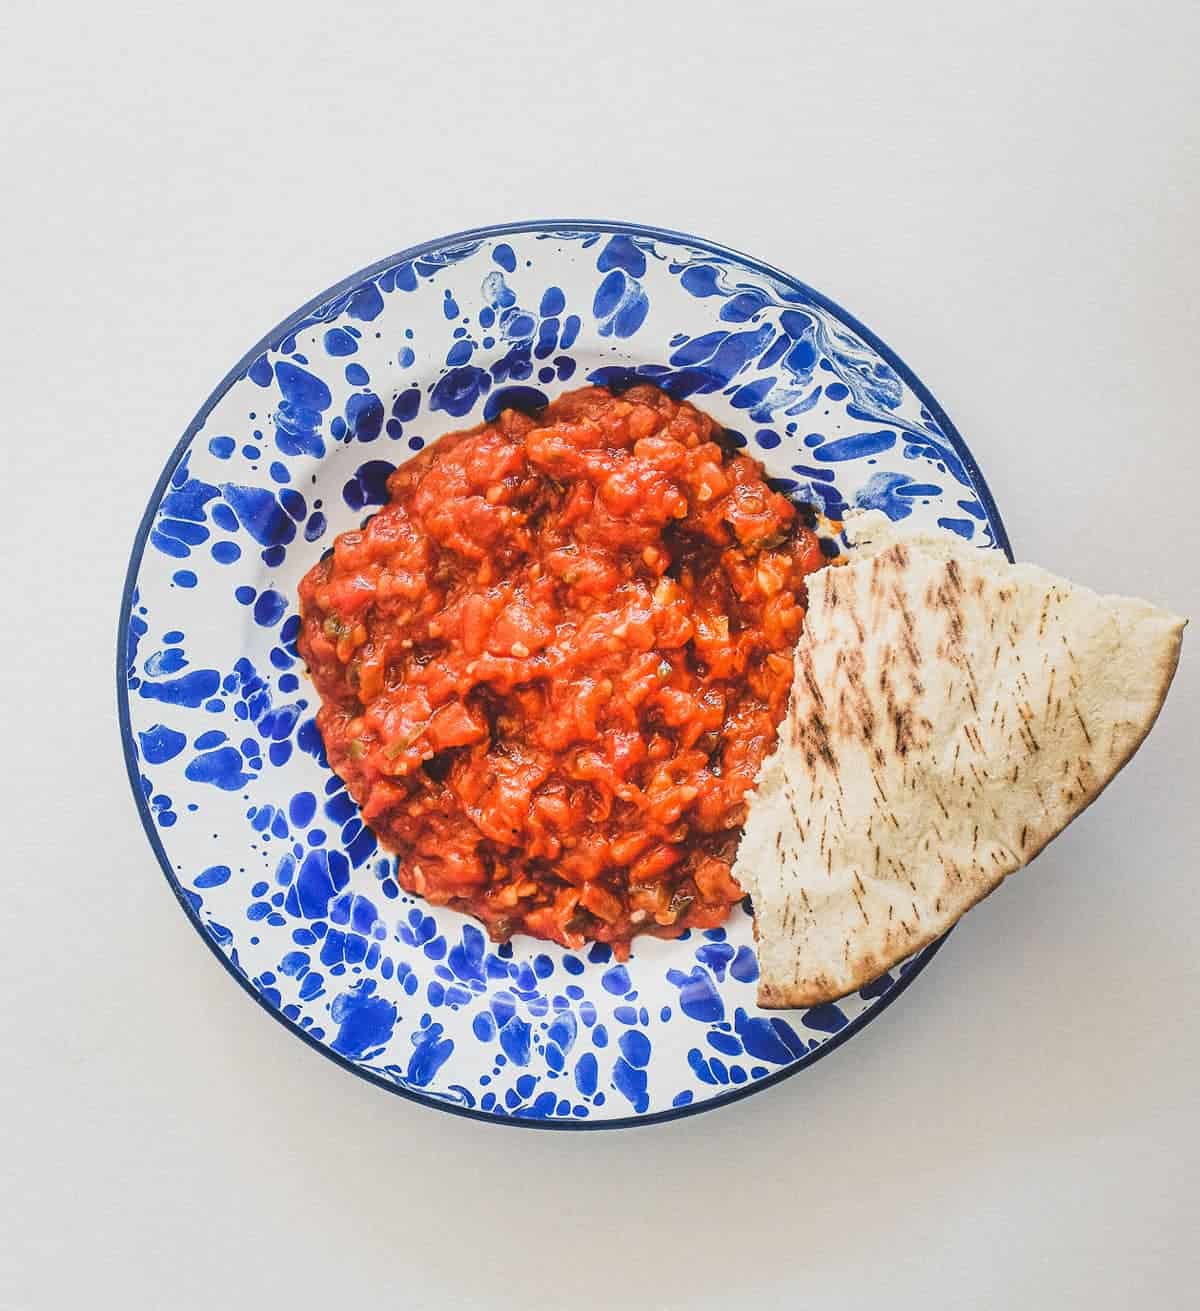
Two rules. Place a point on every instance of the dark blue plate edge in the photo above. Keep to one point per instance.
(284, 329)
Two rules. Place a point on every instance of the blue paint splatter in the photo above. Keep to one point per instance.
(226, 552)
(620, 305)
(213, 876)
(302, 808)
(322, 875)
(298, 416)
(187, 499)
(621, 253)
(457, 392)
(701, 280)
(169, 661)
(635, 1047)
(515, 1040)
(743, 306)
(364, 416)
(192, 690)
(222, 768)
(369, 484)
(160, 744)
(698, 995)
(893, 493)
(260, 513)
(430, 1052)
(771, 1040)
(828, 1018)
(857, 446)
(340, 342)
(745, 965)
(366, 304)
(553, 302)
(293, 503)
(631, 1084)
(406, 405)
(269, 608)
(586, 1074)
(365, 1021)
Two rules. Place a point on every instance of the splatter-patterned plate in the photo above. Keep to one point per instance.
(260, 841)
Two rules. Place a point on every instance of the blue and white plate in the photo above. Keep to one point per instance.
(260, 841)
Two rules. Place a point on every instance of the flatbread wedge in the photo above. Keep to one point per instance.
(950, 714)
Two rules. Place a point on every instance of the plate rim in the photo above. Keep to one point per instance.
(285, 329)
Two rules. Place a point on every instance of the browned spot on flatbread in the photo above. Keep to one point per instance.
(860, 713)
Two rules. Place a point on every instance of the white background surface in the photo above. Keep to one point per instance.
(1010, 195)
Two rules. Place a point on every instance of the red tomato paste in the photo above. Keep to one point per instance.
(552, 664)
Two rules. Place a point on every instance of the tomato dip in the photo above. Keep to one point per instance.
(551, 665)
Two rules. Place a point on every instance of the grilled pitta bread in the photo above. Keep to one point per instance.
(950, 714)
